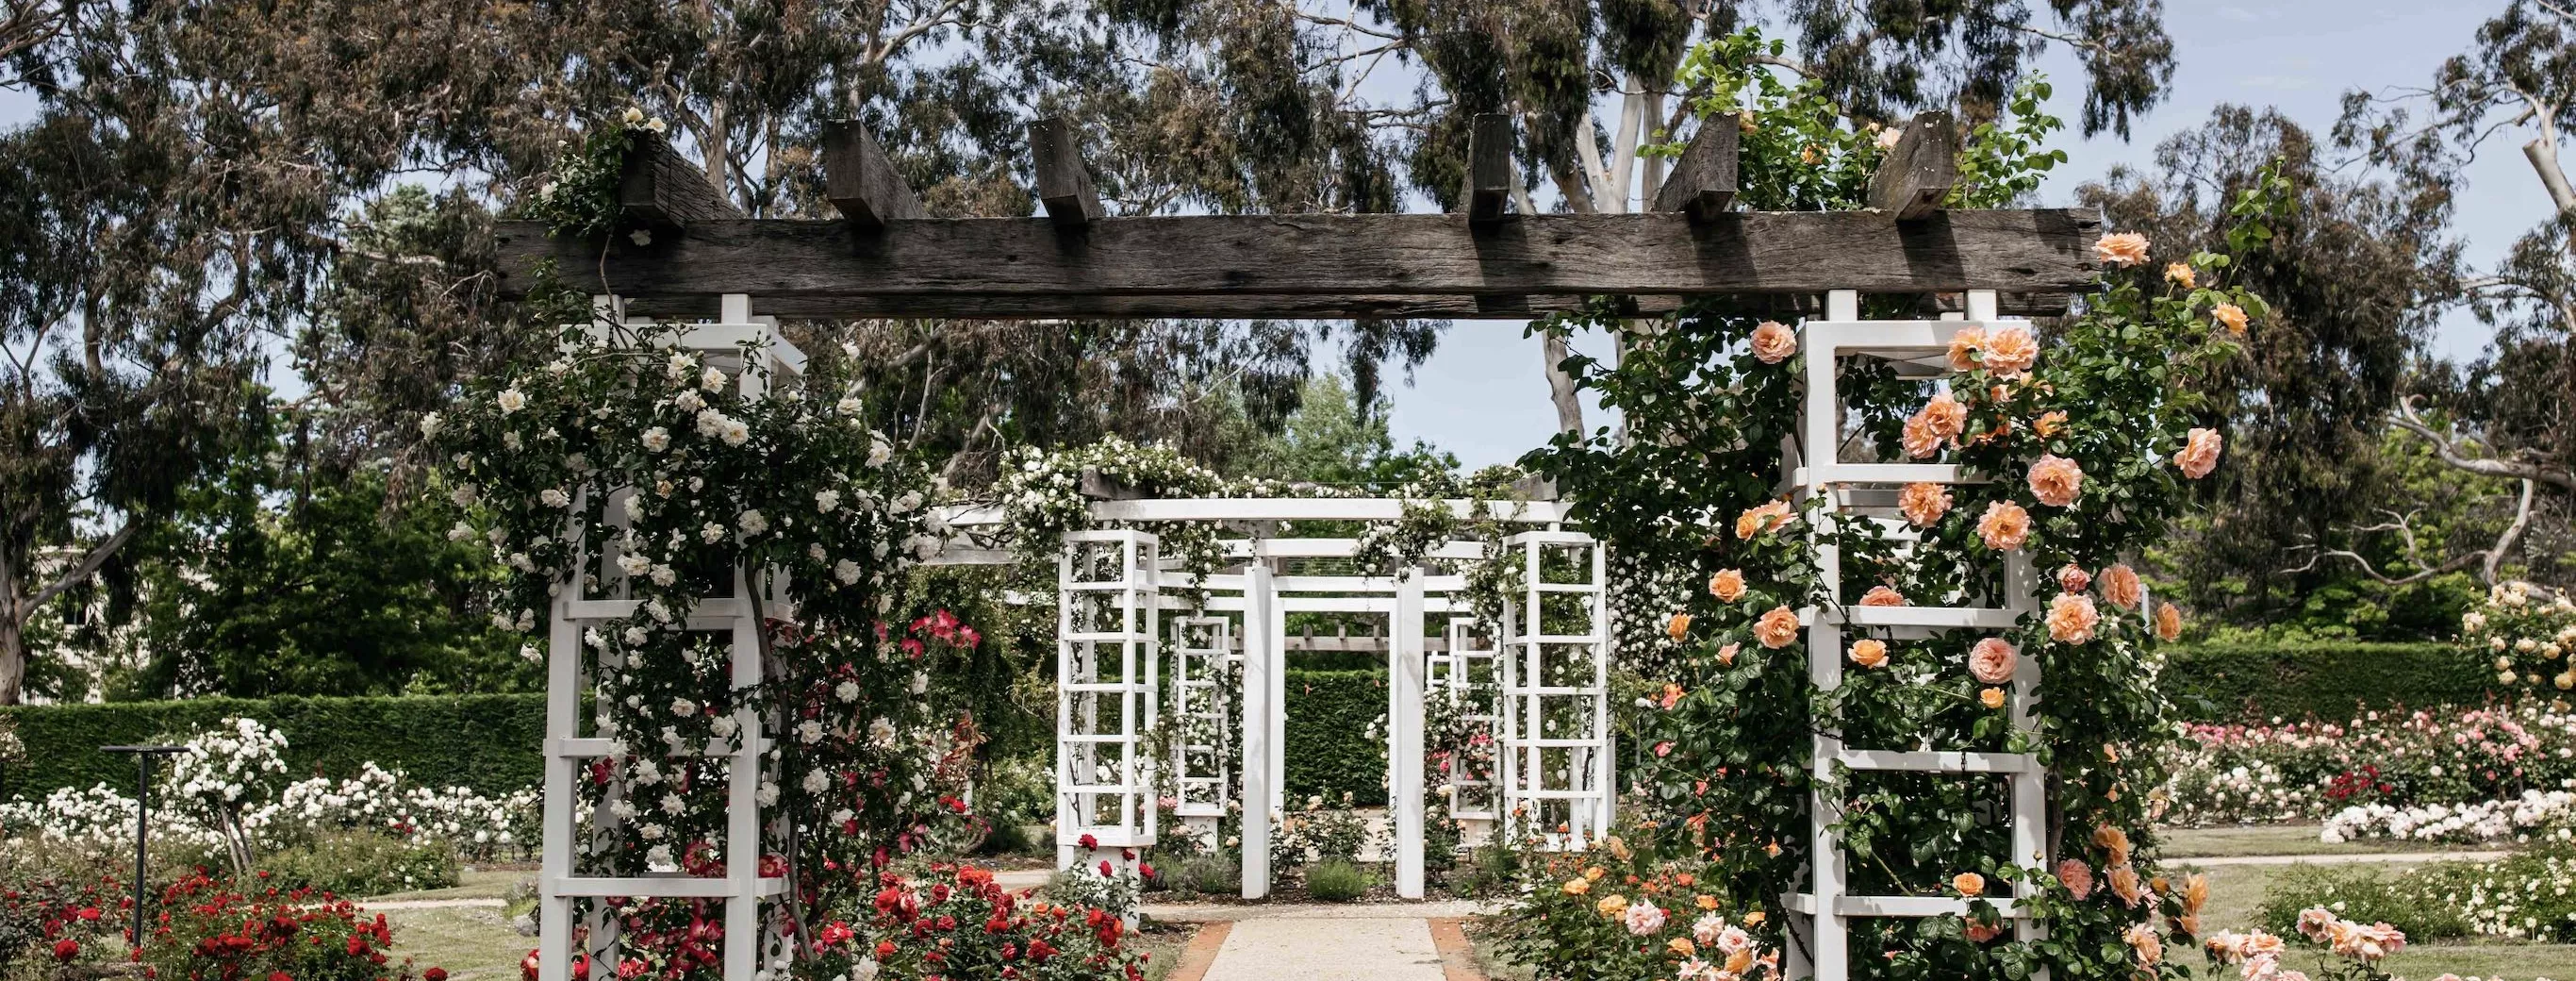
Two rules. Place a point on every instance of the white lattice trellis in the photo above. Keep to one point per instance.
(1867, 492)
(1202, 649)
(1107, 692)
(1467, 670)
(1556, 760)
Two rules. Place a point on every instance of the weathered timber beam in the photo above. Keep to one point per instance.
(1489, 167)
(861, 182)
(1702, 181)
(2022, 251)
(659, 188)
(1270, 307)
(1064, 185)
(1918, 172)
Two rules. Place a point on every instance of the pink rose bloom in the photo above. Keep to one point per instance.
(1992, 661)
(2011, 351)
(2071, 618)
(1964, 347)
(2005, 526)
(1774, 342)
(2072, 578)
(2121, 249)
(2055, 480)
(2199, 453)
(2120, 586)
(1645, 918)
(2077, 876)
(1923, 503)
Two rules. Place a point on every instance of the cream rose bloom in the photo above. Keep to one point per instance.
(2056, 480)
(1923, 503)
(1774, 342)
(2199, 453)
(1727, 585)
(1777, 629)
(2004, 527)
(2120, 586)
(1869, 652)
(2071, 618)
(1992, 661)
(2121, 249)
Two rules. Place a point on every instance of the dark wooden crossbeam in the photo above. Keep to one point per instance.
(1489, 167)
(1064, 185)
(1918, 172)
(965, 261)
(1702, 182)
(1271, 307)
(660, 189)
(861, 182)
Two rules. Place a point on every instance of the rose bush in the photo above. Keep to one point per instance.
(2527, 632)
(2385, 761)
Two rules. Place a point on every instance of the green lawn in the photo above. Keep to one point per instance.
(470, 885)
(474, 943)
(2275, 839)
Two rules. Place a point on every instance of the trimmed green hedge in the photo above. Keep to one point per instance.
(2233, 682)
(492, 743)
(1329, 746)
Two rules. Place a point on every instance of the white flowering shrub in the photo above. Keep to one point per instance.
(221, 774)
(2527, 632)
(2544, 814)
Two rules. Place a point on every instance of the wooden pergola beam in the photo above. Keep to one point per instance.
(1325, 255)
(658, 188)
(1918, 172)
(861, 181)
(1489, 168)
(1274, 307)
(1064, 184)
(1702, 182)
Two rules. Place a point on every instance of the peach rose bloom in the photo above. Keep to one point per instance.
(2076, 876)
(2125, 884)
(2071, 618)
(2231, 316)
(2004, 527)
(2114, 841)
(1919, 440)
(1727, 585)
(2199, 453)
(1992, 661)
(2142, 938)
(1978, 933)
(1969, 884)
(2168, 622)
(1869, 653)
(2183, 274)
(1678, 627)
(1774, 342)
(1776, 629)
(1923, 503)
(1757, 520)
(1882, 596)
(1726, 654)
(2056, 480)
(1964, 347)
(2072, 578)
(1946, 416)
(1992, 697)
(2120, 586)
(2011, 351)
(2121, 249)
(2049, 424)
(2195, 893)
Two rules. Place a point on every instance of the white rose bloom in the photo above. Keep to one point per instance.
(907, 502)
(663, 575)
(634, 507)
(817, 781)
(847, 691)
(848, 406)
(920, 682)
(513, 400)
(843, 816)
(879, 453)
(461, 532)
(657, 439)
(864, 970)
(881, 733)
(429, 425)
(659, 856)
(636, 635)
(683, 708)
(846, 571)
(529, 651)
(736, 433)
(752, 522)
(672, 804)
(659, 612)
(711, 533)
(827, 501)
(633, 564)
(712, 380)
(553, 498)
(809, 731)
(711, 422)
(688, 401)
(768, 793)
(510, 442)
(724, 726)
(463, 495)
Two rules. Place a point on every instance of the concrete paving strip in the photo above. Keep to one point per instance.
(431, 903)
(1380, 948)
(2348, 858)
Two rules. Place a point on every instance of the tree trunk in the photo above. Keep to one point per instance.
(2544, 158)
(13, 655)
(1569, 408)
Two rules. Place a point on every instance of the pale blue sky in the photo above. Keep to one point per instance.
(1482, 396)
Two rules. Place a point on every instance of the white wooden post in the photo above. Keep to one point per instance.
(1404, 733)
(1261, 638)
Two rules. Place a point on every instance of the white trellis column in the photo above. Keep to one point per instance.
(1404, 722)
(1203, 706)
(1856, 492)
(564, 883)
(1556, 759)
(1262, 631)
(1457, 674)
(1107, 607)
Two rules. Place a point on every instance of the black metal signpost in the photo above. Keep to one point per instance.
(142, 818)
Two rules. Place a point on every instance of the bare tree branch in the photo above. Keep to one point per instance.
(2405, 416)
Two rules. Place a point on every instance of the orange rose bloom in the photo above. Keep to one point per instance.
(2168, 622)
(1993, 697)
(1945, 415)
(2142, 938)
(1979, 932)
(1919, 440)
(2121, 249)
(2072, 578)
(2071, 618)
(2076, 876)
(2056, 480)
(1776, 629)
(2049, 424)
(2114, 841)
(1969, 884)
(1992, 661)
(1923, 503)
(1727, 585)
(2011, 351)
(2195, 893)
(2004, 527)
(1774, 342)
(1726, 654)
(2199, 453)
(1964, 347)
(2181, 272)
(1678, 627)
(2231, 316)
(2126, 885)
(1869, 653)
(1882, 596)
(2120, 586)
(1761, 519)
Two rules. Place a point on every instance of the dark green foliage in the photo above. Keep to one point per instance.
(491, 743)
(2229, 682)
(1337, 881)
(1331, 715)
(361, 863)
